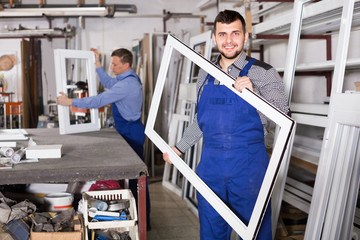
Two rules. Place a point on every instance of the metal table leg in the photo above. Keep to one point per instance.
(142, 206)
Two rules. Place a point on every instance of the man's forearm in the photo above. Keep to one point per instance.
(191, 136)
(97, 64)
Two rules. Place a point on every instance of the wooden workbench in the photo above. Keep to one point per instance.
(102, 155)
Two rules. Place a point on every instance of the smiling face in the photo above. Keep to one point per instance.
(230, 39)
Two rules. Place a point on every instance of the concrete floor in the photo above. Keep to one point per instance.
(171, 219)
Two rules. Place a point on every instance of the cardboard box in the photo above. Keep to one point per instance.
(77, 234)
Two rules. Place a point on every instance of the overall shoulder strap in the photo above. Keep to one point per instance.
(134, 75)
(208, 78)
(245, 70)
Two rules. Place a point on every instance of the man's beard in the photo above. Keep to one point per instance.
(232, 56)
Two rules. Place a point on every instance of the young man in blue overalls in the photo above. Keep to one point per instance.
(234, 159)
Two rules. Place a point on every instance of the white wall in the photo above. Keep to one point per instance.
(13, 75)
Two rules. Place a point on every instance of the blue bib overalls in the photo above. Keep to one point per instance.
(234, 159)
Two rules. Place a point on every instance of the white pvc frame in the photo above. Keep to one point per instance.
(286, 124)
(193, 157)
(60, 56)
(204, 40)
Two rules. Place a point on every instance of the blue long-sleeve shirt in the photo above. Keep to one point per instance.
(125, 91)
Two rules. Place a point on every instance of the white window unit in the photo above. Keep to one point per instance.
(85, 59)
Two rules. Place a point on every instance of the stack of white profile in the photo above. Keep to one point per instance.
(44, 151)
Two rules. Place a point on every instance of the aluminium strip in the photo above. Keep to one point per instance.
(293, 46)
(351, 63)
(311, 120)
(296, 201)
(299, 185)
(327, 162)
(306, 154)
(348, 120)
(298, 192)
(341, 183)
(351, 204)
(310, 108)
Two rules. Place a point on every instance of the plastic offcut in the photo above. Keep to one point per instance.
(99, 205)
(6, 151)
(17, 156)
(93, 212)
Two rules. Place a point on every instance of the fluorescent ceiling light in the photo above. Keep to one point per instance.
(63, 12)
(37, 33)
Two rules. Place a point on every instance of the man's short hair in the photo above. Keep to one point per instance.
(229, 16)
(124, 55)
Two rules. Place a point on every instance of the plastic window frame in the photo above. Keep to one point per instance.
(60, 56)
(286, 126)
(205, 41)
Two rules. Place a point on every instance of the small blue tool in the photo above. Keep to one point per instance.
(109, 218)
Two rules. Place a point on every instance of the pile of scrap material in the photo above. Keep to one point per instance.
(292, 223)
(14, 218)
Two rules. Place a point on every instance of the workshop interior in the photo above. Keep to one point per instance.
(66, 172)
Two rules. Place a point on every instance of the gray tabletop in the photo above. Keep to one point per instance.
(88, 156)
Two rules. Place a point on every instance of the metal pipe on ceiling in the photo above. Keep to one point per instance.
(39, 33)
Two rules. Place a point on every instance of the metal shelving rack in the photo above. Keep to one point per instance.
(335, 183)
